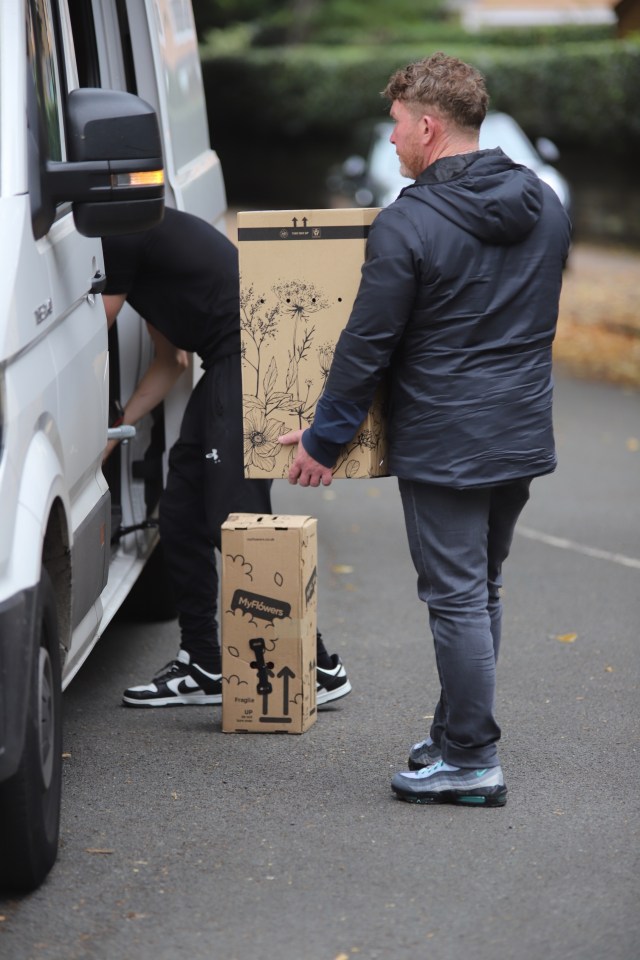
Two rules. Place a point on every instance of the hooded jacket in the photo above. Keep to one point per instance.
(457, 309)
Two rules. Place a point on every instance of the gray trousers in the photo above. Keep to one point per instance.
(458, 541)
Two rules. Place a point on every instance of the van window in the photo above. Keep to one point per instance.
(178, 44)
(84, 41)
(41, 53)
(127, 51)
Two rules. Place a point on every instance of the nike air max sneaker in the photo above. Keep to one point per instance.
(442, 783)
(333, 683)
(179, 683)
(424, 754)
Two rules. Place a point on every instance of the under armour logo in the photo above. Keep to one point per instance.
(213, 455)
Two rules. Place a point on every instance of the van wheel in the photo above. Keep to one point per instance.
(30, 799)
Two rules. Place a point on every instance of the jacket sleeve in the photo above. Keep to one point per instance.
(380, 313)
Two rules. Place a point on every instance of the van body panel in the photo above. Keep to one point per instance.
(16, 620)
(13, 164)
(42, 482)
(60, 369)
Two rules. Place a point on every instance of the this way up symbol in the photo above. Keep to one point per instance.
(286, 675)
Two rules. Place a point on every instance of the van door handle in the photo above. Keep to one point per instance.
(123, 433)
(98, 282)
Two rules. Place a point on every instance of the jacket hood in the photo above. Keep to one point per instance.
(484, 193)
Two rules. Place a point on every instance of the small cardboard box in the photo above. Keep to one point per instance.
(299, 275)
(269, 615)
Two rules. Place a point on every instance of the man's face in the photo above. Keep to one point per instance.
(407, 137)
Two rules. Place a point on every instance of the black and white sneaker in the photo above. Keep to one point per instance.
(332, 684)
(179, 683)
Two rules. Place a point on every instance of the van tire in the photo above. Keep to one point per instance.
(30, 799)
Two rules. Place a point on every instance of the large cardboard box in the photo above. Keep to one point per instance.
(299, 275)
(269, 615)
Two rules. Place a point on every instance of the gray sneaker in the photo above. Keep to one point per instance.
(440, 783)
(423, 754)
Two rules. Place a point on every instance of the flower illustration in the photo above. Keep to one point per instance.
(299, 299)
(261, 445)
(259, 324)
(325, 358)
(367, 440)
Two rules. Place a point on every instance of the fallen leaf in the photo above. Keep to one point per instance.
(97, 850)
(566, 637)
(341, 568)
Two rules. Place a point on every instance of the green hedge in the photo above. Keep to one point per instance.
(576, 93)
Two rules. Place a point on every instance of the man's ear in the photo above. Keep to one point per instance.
(428, 127)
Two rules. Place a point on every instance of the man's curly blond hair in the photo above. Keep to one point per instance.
(452, 87)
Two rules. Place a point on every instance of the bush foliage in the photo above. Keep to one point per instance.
(577, 93)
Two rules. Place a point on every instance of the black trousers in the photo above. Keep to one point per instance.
(205, 484)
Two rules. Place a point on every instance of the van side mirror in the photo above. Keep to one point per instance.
(114, 176)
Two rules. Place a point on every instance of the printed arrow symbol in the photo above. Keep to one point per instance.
(295, 221)
(286, 675)
(265, 690)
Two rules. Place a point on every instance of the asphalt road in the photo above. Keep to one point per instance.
(178, 840)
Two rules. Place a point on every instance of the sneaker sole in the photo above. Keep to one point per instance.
(328, 695)
(489, 797)
(197, 700)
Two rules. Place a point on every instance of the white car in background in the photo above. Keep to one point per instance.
(375, 181)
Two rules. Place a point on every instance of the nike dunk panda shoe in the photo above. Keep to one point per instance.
(180, 683)
(332, 682)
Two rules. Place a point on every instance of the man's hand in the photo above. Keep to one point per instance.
(305, 470)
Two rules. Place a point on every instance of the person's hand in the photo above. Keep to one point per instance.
(108, 450)
(305, 470)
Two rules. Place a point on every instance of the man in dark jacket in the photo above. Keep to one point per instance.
(458, 306)
(182, 278)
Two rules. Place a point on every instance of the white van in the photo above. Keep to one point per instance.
(100, 101)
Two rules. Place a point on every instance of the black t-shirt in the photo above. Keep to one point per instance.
(182, 278)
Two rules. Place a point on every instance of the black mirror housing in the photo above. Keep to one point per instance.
(114, 176)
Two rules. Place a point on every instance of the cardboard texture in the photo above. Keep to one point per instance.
(269, 615)
(299, 275)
